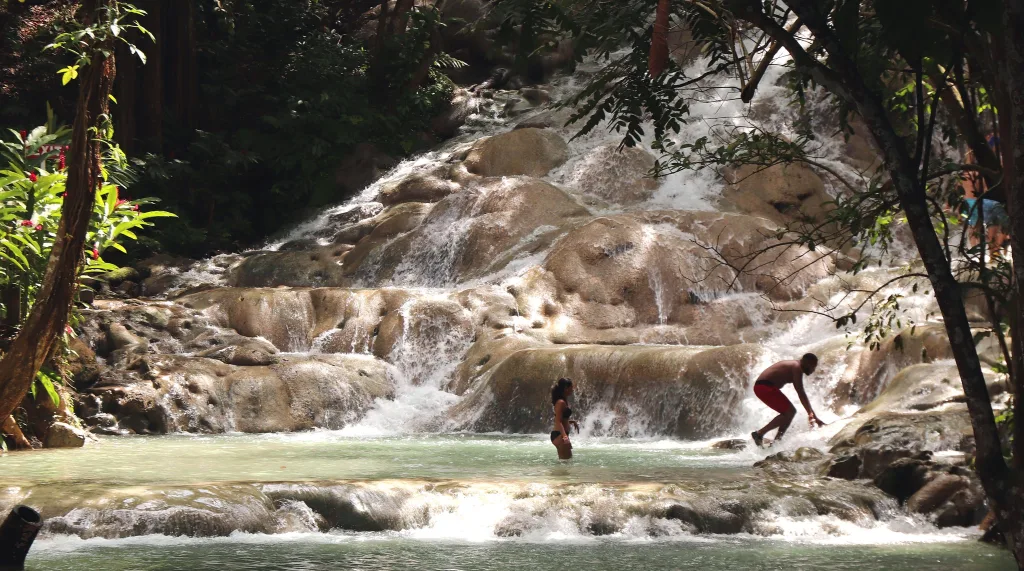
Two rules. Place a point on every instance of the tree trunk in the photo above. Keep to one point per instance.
(49, 316)
(10, 429)
(151, 94)
(1012, 137)
(658, 58)
(848, 83)
(181, 66)
(127, 91)
(1013, 168)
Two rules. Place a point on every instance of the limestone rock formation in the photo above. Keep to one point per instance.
(781, 193)
(191, 394)
(618, 176)
(680, 389)
(63, 435)
(530, 152)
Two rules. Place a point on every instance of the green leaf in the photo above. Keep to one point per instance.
(17, 253)
(157, 214)
(69, 73)
(44, 378)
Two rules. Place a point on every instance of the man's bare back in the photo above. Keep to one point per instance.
(782, 373)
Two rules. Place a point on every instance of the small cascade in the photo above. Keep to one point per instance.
(436, 333)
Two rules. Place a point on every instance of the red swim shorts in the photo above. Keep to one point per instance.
(773, 397)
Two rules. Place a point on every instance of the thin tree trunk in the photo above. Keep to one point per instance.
(1013, 168)
(11, 429)
(658, 58)
(843, 79)
(1012, 139)
(152, 92)
(49, 316)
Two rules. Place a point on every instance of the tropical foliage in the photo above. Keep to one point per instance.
(32, 191)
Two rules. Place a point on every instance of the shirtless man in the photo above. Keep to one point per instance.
(768, 388)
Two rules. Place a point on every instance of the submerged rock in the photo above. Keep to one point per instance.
(620, 176)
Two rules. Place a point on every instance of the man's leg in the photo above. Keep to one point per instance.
(775, 423)
(787, 419)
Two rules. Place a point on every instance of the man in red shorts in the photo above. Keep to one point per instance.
(768, 388)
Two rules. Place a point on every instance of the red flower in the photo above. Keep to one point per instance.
(65, 195)
(24, 134)
(39, 227)
(61, 161)
(67, 329)
(95, 254)
(26, 222)
(33, 176)
(135, 207)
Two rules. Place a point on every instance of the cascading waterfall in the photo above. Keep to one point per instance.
(446, 355)
(425, 355)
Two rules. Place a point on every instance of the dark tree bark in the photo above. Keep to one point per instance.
(151, 93)
(1013, 165)
(658, 58)
(10, 429)
(843, 79)
(182, 72)
(127, 93)
(49, 316)
(1012, 126)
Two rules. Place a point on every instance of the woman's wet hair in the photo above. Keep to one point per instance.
(558, 389)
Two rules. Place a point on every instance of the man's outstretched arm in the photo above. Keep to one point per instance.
(811, 417)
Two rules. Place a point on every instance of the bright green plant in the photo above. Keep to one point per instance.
(32, 189)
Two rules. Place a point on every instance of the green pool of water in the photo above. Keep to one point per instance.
(326, 552)
(492, 475)
(329, 456)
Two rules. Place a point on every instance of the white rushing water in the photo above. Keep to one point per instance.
(426, 362)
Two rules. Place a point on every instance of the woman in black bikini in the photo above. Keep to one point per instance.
(561, 391)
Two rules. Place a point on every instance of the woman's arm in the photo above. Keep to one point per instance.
(560, 419)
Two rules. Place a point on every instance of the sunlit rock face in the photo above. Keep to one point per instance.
(192, 394)
(530, 152)
(665, 390)
(453, 291)
(781, 193)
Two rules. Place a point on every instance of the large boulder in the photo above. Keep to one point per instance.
(284, 317)
(328, 320)
(64, 435)
(651, 267)
(621, 176)
(868, 372)
(188, 394)
(530, 152)
(783, 194)
(364, 165)
(318, 267)
(469, 234)
(683, 392)
(419, 187)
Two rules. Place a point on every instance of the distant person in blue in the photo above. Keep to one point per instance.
(985, 217)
